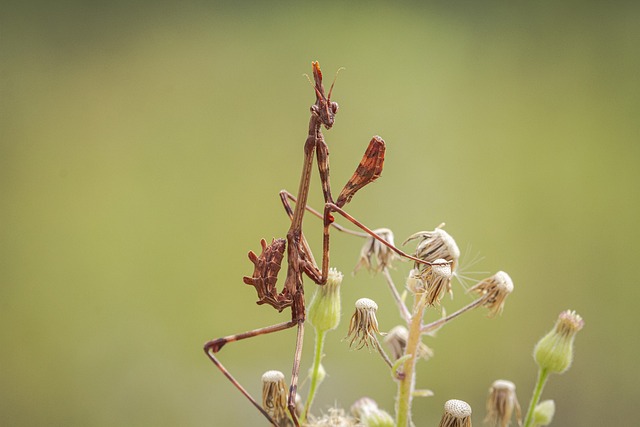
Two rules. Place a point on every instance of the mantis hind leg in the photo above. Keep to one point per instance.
(214, 346)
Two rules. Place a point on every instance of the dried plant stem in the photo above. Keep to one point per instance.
(438, 323)
(404, 312)
(406, 385)
(543, 375)
(315, 372)
(382, 353)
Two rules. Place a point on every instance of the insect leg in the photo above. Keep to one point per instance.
(214, 346)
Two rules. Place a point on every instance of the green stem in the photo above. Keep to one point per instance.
(315, 377)
(407, 384)
(543, 375)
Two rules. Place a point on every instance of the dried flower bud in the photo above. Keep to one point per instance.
(375, 256)
(554, 352)
(435, 279)
(367, 411)
(457, 413)
(544, 412)
(396, 340)
(494, 290)
(364, 324)
(436, 244)
(324, 309)
(274, 396)
(501, 403)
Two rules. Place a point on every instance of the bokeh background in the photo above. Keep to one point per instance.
(143, 144)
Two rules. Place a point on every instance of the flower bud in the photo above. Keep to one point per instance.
(457, 413)
(544, 412)
(554, 352)
(367, 411)
(324, 309)
(322, 374)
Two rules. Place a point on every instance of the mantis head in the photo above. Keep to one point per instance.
(324, 108)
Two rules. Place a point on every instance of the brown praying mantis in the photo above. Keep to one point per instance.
(300, 260)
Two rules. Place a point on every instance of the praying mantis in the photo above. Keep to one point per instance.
(300, 261)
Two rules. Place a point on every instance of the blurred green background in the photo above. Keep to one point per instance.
(142, 146)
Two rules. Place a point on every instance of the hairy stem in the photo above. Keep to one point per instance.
(407, 384)
(543, 375)
(315, 372)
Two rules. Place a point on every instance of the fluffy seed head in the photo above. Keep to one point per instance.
(494, 290)
(436, 244)
(437, 280)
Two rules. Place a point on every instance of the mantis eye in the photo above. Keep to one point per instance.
(334, 107)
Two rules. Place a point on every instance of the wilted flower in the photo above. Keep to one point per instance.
(554, 352)
(501, 403)
(494, 291)
(374, 255)
(436, 244)
(396, 340)
(433, 280)
(457, 413)
(364, 324)
(274, 396)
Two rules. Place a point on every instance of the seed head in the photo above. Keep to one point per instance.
(554, 351)
(396, 340)
(274, 396)
(434, 280)
(364, 324)
(375, 256)
(324, 309)
(457, 413)
(494, 290)
(501, 403)
(434, 245)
